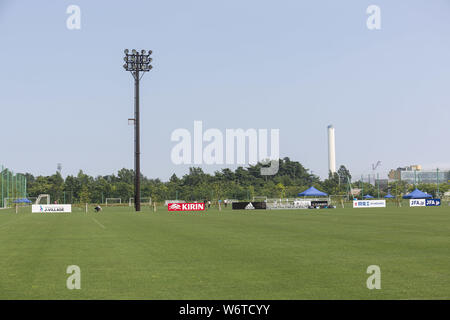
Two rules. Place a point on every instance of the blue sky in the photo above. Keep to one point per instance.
(296, 66)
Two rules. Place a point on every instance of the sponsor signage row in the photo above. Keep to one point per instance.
(51, 208)
(186, 207)
(369, 204)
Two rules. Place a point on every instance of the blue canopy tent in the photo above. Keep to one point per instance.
(389, 196)
(23, 200)
(417, 194)
(368, 196)
(312, 192)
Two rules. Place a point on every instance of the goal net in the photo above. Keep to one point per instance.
(281, 203)
(146, 201)
(113, 201)
(260, 198)
(9, 202)
(166, 203)
(32, 199)
(41, 197)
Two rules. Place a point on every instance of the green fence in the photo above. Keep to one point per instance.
(13, 186)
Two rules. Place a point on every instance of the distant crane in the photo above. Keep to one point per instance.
(374, 168)
(376, 165)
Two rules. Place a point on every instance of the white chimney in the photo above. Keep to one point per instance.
(331, 150)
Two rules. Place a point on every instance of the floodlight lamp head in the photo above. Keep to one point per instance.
(133, 51)
(126, 51)
(142, 51)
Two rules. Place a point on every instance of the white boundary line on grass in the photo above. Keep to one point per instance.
(98, 223)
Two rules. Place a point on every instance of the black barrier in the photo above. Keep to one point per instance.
(224, 309)
(248, 205)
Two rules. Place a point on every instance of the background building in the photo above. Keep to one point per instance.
(434, 176)
(414, 174)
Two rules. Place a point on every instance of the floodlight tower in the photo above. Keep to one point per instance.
(137, 63)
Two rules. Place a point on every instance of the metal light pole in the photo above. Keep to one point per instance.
(378, 183)
(137, 63)
(437, 181)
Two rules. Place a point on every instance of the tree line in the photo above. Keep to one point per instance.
(241, 184)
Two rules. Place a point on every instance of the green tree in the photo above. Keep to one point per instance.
(344, 175)
(84, 194)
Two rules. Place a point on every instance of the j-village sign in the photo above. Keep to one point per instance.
(51, 208)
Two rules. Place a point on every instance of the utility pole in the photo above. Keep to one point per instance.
(1, 200)
(437, 181)
(362, 188)
(135, 63)
(378, 181)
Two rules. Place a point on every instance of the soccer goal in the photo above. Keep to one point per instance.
(288, 203)
(9, 202)
(41, 197)
(260, 198)
(166, 203)
(32, 199)
(146, 201)
(113, 201)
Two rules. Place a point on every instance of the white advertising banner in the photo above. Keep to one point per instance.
(369, 204)
(417, 202)
(302, 203)
(51, 208)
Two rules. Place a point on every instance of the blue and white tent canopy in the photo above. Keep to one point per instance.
(417, 194)
(23, 200)
(312, 192)
(368, 196)
(389, 196)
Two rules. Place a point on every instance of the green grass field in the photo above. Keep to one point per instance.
(289, 254)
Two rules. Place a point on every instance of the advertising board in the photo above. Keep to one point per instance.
(432, 202)
(186, 206)
(248, 205)
(51, 208)
(369, 204)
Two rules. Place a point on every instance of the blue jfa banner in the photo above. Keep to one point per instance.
(433, 202)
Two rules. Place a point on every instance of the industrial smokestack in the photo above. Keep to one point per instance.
(331, 150)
